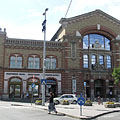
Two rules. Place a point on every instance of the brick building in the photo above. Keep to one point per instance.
(84, 50)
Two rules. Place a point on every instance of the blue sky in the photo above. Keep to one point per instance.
(23, 18)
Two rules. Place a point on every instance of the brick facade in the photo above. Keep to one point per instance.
(68, 50)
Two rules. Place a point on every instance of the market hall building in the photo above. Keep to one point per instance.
(85, 49)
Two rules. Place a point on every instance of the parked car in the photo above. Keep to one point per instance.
(70, 97)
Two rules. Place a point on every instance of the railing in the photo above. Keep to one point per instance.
(35, 43)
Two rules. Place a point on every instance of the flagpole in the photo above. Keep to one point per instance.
(44, 54)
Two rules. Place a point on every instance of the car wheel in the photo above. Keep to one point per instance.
(57, 102)
(74, 102)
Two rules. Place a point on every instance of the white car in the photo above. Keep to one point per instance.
(70, 97)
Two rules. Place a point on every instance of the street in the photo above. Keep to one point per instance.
(111, 116)
(11, 112)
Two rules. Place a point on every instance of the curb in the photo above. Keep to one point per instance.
(81, 117)
(101, 114)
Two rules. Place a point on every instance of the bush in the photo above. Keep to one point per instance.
(65, 102)
(38, 102)
(88, 103)
(109, 103)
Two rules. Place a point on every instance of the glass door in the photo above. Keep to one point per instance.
(17, 90)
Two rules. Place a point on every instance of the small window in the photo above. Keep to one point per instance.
(101, 59)
(108, 61)
(85, 61)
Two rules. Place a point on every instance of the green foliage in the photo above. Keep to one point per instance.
(116, 75)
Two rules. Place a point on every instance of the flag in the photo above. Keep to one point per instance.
(44, 26)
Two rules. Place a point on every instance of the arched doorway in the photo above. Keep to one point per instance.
(51, 86)
(15, 85)
(99, 87)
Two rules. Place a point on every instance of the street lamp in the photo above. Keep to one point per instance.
(44, 54)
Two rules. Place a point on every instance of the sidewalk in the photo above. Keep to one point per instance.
(71, 110)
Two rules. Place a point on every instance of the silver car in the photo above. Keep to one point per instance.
(71, 98)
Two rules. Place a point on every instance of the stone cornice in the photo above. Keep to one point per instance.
(88, 15)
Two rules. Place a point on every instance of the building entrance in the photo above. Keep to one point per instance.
(51, 87)
(15, 88)
(99, 88)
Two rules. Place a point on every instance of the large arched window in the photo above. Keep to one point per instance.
(96, 41)
(15, 61)
(33, 62)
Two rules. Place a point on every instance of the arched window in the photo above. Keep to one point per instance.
(85, 61)
(96, 41)
(33, 62)
(16, 61)
(50, 62)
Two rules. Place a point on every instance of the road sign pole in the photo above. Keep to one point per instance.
(80, 110)
(32, 97)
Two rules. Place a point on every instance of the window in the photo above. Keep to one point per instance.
(33, 62)
(73, 50)
(96, 41)
(101, 59)
(85, 42)
(15, 61)
(93, 59)
(50, 63)
(15, 88)
(85, 61)
(108, 61)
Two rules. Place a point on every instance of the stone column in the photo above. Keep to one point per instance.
(5, 91)
(107, 89)
(92, 89)
(24, 86)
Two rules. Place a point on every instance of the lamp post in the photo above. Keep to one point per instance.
(44, 54)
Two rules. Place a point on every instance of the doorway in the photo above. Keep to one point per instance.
(15, 88)
(99, 88)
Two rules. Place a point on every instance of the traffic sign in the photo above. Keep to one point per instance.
(81, 101)
(33, 85)
(43, 81)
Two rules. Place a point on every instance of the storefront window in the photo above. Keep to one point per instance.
(35, 89)
(15, 88)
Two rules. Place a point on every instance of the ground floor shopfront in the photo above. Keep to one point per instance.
(104, 88)
(19, 84)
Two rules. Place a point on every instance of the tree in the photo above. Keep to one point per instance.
(116, 75)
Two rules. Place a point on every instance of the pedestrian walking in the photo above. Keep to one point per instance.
(99, 100)
(51, 106)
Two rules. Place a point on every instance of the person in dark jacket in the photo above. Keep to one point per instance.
(51, 106)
